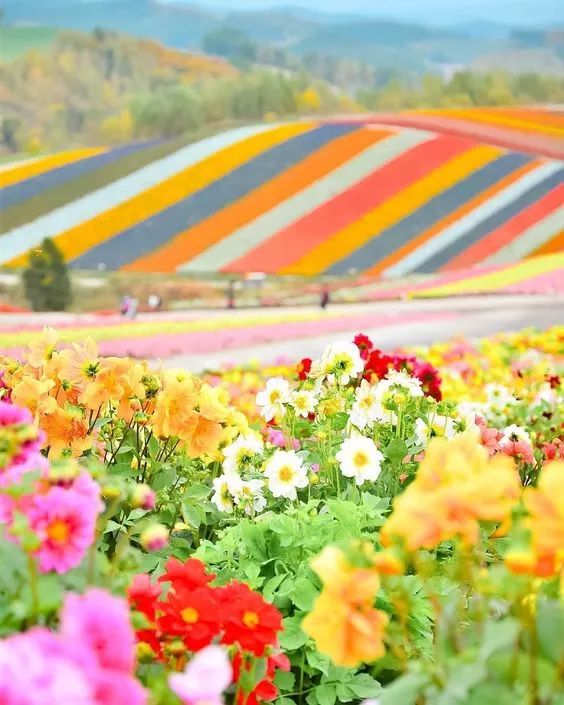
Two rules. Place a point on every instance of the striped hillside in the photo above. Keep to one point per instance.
(389, 194)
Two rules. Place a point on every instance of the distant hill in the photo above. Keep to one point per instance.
(15, 41)
(382, 43)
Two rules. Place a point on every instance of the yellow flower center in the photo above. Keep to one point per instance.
(250, 619)
(286, 473)
(58, 531)
(366, 402)
(189, 615)
(274, 396)
(360, 459)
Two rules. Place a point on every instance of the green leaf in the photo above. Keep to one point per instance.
(293, 636)
(405, 690)
(550, 626)
(198, 491)
(318, 661)
(284, 680)
(192, 514)
(339, 420)
(272, 585)
(344, 693)
(304, 594)
(346, 514)
(491, 694)
(364, 686)
(164, 478)
(396, 451)
(326, 694)
(498, 636)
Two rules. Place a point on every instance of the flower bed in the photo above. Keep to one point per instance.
(363, 525)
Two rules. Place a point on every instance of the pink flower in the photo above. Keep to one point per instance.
(20, 445)
(143, 497)
(490, 438)
(277, 438)
(100, 622)
(205, 678)
(154, 537)
(36, 669)
(64, 520)
(518, 449)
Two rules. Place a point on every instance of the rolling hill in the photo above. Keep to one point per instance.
(389, 194)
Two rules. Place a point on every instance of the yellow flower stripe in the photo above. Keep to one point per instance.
(502, 120)
(499, 279)
(83, 237)
(142, 330)
(391, 211)
(40, 166)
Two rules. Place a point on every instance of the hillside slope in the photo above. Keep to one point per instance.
(388, 195)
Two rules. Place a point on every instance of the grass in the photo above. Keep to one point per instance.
(15, 41)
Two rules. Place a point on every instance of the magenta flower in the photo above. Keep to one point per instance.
(36, 668)
(205, 678)
(102, 623)
(20, 445)
(64, 520)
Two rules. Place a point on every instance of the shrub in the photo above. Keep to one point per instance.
(46, 280)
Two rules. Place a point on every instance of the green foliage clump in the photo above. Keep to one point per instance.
(46, 279)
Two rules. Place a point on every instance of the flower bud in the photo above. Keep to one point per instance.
(154, 537)
(142, 497)
(111, 492)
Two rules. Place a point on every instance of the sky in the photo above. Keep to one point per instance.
(505, 11)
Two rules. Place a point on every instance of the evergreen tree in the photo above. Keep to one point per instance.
(46, 279)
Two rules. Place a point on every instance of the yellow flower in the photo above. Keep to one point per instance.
(343, 622)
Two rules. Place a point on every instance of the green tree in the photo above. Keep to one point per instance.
(46, 279)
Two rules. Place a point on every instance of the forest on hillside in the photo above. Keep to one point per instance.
(107, 88)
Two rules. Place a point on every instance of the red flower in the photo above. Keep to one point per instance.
(249, 620)
(364, 344)
(142, 595)
(377, 364)
(186, 576)
(195, 616)
(304, 368)
(265, 690)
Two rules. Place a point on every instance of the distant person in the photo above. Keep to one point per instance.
(124, 305)
(154, 302)
(324, 298)
(231, 294)
(133, 306)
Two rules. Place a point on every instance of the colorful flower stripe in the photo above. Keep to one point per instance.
(143, 329)
(529, 114)
(353, 184)
(226, 180)
(554, 245)
(503, 119)
(409, 189)
(97, 210)
(500, 240)
(39, 166)
(523, 245)
(489, 167)
(500, 279)
(35, 185)
(532, 143)
(193, 241)
(507, 205)
(398, 253)
(474, 225)
(165, 344)
(81, 186)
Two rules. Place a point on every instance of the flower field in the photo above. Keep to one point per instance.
(390, 194)
(364, 526)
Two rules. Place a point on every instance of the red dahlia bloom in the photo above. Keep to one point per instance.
(304, 367)
(364, 344)
(186, 576)
(249, 620)
(195, 616)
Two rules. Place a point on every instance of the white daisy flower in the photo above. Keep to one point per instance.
(514, 433)
(367, 407)
(285, 472)
(249, 494)
(499, 396)
(241, 452)
(442, 426)
(547, 394)
(359, 458)
(400, 379)
(303, 402)
(222, 496)
(467, 413)
(273, 398)
(339, 363)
